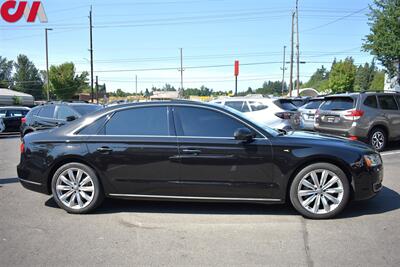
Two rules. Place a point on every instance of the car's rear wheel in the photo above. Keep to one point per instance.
(378, 138)
(320, 191)
(76, 188)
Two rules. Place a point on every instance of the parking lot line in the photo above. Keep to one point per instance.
(390, 153)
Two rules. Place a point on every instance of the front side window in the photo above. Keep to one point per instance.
(139, 121)
(371, 102)
(387, 102)
(205, 123)
(238, 105)
(64, 112)
(47, 112)
(256, 105)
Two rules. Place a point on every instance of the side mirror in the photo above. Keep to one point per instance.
(70, 118)
(244, 134)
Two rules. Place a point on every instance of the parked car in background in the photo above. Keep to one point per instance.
(10, 118)
(275, 113)
(299, 101)
(307, 113)
(184, 150)
(370, 117)
(54, 114)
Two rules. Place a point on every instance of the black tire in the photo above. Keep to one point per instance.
(375, 133)
(294, 188)
(98, 194)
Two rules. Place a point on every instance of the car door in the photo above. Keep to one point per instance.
(390, 109)
(214, 164)
(45, 118)
(136, 151)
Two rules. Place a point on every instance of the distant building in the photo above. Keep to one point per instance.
(9, 98)
(164, 95)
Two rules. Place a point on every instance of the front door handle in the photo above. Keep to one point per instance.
(104, 149)
(191, 151)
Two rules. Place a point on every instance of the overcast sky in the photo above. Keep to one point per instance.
(143, 38)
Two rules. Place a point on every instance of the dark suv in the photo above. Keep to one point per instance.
(54, 114)
(370, 117)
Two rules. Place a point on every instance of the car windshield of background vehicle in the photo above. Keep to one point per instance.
(85, 109)
(238, 105)
(337, 103)
(313, 104)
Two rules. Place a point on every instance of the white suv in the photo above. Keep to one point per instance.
(275, 113)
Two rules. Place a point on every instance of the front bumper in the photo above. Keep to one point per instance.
(368, 182)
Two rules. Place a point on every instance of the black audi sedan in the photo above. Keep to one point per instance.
(189, 151)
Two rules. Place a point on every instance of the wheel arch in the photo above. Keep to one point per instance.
(381, 125)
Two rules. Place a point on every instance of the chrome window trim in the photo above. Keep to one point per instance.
(76, 130)
(166, 136)
(198, 198)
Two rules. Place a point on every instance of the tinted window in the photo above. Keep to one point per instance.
(85, 109)
(16, 113)
(238, 105)
(205, 122)
(2, 113)
(337, 103)
(398, 99)
(139, 121)
(94, 127)
(35, 111)
(371, 102)
(63, 112)
(298, 102)
(47, 112)
(285, 104)
(313, 104)
(256, 106)
(387, 102)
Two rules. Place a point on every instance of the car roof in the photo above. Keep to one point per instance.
(15, 107)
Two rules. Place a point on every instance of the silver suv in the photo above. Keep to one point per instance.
(370, 117)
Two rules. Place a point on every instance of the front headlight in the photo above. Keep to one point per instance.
(372, 160)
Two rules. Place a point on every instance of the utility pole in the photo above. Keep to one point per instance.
(283, 70)
(47, 64)
(181, 70)
(297, 49)
(291, 58)
(97, 89)
(91, 51)
(136, 84)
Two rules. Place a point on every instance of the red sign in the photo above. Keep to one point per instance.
(236, 67)
(12, 11)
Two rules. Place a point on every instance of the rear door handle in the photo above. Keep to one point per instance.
(191, 151)
(104, 149)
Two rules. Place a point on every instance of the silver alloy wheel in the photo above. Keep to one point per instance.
(320, 191)
(75, 188)
(378, 140)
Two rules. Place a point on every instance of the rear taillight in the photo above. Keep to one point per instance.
(354, 114)
(284, 115)
(22, 148)
(23, 120)
(353, 138)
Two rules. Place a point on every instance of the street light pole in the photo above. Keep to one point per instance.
(47, 64)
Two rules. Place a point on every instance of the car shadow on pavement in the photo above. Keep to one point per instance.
(387, 200)
(8, 180)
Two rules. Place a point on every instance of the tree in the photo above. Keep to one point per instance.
(168, 87)
(342, 76)
(377, 84)
(65, 82)
(364, 76)
(27, 78)
(6, 67)
(319, 80)
(384, 39)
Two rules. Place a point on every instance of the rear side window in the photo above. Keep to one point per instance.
(94, 128)
(205, 123)
(313, 104)
(139, 121)
(371, 102)
(47, 112)
(337, 103)
(63, 112)
(238, 105)
(285, 104)
(387, 102)
(256, 106)
(85, 109)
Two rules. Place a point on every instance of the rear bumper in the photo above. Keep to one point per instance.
(352, 131)
(31, 180)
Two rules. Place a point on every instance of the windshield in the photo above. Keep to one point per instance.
(85, 109)
(263, 126)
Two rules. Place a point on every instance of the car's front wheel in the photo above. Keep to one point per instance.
(76, 188)
(378, 138)
(320, 191)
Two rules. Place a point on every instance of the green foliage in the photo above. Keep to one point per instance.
(17, 100)
(27, 78)
(6, 67)
(342, 76)
(319, 80)
(364, 76)
(65, 82)
(384, 39)
(378, 83)
(203, 91)
(271, 88)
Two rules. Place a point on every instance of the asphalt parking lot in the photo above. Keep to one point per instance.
(34, 231)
